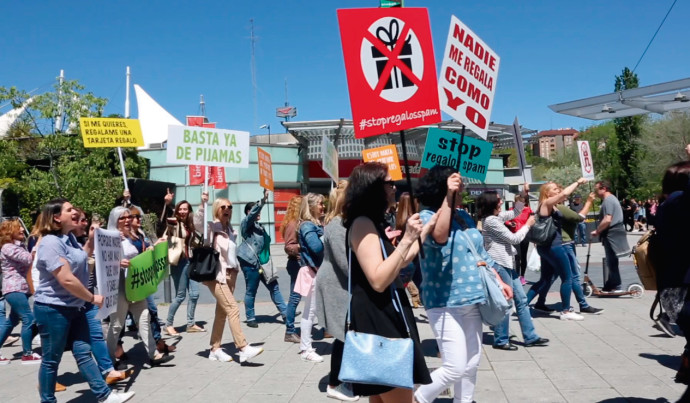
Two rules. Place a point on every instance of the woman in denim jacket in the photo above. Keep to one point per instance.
(248, 255)
(311, 254)
(452, 287)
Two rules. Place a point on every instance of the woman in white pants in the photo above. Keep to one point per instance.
(309, 235)
(452, 288)
(120, 219)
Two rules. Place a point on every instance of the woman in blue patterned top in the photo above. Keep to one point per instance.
(452, 287)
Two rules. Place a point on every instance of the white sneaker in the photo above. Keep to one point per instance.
(570, 315)
(11, 340)
(118, 397)
(250, 352)
(219, 355)
(341, 392)
(310, 356)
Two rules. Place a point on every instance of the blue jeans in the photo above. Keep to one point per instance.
(98, 346)
(554, 262)
(581, 233)
(502, 330)
(153, 315)
(59, 325)
(575, 271)
(20, 304)
(6, 324)
(252, 278)
(180, 275)
(614, 280)
(292, 269)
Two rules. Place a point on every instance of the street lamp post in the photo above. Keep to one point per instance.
(267, 126)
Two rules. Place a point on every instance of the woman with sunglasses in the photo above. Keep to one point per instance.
(223, 239)
(59, 303)
(255, 241)
(375, 272)
(142, 243)
(120, 219)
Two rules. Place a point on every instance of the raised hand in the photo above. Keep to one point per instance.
(169, 196)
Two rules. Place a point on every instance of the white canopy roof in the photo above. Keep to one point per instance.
(154, 120)
(657, 98)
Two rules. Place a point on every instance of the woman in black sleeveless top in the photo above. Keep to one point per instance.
(368, 194)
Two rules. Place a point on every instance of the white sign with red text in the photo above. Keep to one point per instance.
(467, 82)
(586, 160)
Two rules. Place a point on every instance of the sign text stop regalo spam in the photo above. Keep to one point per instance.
(391, 73)
(467, 82)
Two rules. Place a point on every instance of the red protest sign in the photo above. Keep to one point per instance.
(391, 73)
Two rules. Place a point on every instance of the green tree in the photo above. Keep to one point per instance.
(628, 129)
(50, 159)
(662, 143)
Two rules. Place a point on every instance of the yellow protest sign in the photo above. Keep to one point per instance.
(265, 169)
(111, 132)
(387, 155)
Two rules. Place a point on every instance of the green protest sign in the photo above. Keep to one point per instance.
(145, 271)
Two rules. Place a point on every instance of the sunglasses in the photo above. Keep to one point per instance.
(225, 207)
(136, 216)
(391, 182)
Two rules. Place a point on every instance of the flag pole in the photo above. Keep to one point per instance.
(119, 149)
(452, 207)
(409, 184)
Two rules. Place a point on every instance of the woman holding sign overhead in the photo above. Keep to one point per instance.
(256, 242)
(120, 219)
(59, 302)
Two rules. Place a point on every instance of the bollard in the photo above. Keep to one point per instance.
(167, 293)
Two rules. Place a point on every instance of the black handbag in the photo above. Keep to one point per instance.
(543, 231)
(204, 263)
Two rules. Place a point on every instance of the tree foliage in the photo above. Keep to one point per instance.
(44, 156)
(628, 129)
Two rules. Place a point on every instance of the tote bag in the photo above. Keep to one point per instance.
(496, 307)
(373, 359)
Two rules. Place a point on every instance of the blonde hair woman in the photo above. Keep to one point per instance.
(224, 241)
(289, 230)
(331, 290)
(554, 259)
(311, 256)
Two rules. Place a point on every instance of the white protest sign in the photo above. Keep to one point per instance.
(467, 82)
(107, 255)
(586, 160)
(329, 158)
(194, 145)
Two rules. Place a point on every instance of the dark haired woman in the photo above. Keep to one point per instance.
(181, 227)
(453, 288)
(375, 270)
(669, 252)
(255, 240)
(59, 303)
(498, 242)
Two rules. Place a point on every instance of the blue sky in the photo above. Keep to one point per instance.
(551, 52)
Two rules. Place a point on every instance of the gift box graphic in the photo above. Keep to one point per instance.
(389, 37)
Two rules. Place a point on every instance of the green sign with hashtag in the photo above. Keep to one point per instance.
(145, 271)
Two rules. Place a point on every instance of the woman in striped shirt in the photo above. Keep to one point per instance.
(498, 242)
